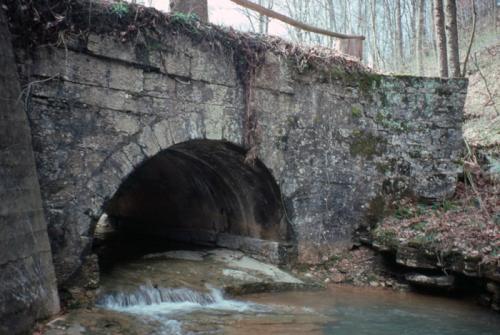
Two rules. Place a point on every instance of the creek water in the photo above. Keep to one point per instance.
(337, 310)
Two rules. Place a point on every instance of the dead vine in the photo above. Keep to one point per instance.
(470, 164)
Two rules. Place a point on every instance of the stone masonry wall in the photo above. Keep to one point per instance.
(339, 144)
(27, 282)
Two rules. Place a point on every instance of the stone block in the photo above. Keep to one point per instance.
(173, 63)
(212, 66)
(275, 74)
(86, 69)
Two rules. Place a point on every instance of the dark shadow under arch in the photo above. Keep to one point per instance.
(202, 192)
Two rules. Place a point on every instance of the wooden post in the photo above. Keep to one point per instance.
(351, 47)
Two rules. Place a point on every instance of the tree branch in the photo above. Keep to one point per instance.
(490, 94)
(292, 22)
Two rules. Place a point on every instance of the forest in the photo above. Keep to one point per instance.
(402, 36)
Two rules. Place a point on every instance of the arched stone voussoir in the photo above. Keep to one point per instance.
(110, 174)
(168, 132)
(148, 142)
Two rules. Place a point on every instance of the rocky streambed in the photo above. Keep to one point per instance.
(220, 291)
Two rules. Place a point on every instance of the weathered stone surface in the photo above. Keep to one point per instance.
(338, 148)
(269, 251)
(415, 258)
(28, 289)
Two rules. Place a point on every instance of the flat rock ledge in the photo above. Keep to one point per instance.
(443, 271)
(232, 271)
(431, 281)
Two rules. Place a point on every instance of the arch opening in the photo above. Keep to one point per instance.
(196, 193)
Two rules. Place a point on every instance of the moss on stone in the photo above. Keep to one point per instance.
(380, 117)
(423, 241)
(369, 81)
(386, 237)
(383, 167)
(444, 91)
(366, 82)
(386, 121)
(356, 112)
(366, 144)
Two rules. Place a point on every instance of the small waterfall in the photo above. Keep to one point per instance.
(150, 295)
(152, 300)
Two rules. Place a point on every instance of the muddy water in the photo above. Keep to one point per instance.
(183, 296)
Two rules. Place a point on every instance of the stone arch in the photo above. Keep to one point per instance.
(198, 191)
(75, 211)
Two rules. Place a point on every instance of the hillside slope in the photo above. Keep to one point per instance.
(482, 108)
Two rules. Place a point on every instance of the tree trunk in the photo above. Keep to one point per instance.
(375, 51)
(433, 34)
(399, 35)
(441, 38)
(471, 41)
(420, 37)
(414, 25)
(198, 7)
(451, 27)
(495, 12)
(263, 20)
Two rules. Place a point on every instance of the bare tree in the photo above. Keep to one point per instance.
(374, 40)
(441, 38)
(399, 35)
(472, 35)
(263, 19)
(402, 35)
(452, 38)
(420, 37)
(259, 23)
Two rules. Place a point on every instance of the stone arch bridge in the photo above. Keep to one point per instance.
(157, 133)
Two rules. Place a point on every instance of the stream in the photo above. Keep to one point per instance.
(182, 293)
(338, 310)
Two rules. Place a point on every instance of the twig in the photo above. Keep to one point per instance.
(485, 84)
(26, 92)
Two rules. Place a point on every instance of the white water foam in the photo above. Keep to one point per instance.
(154, 301)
